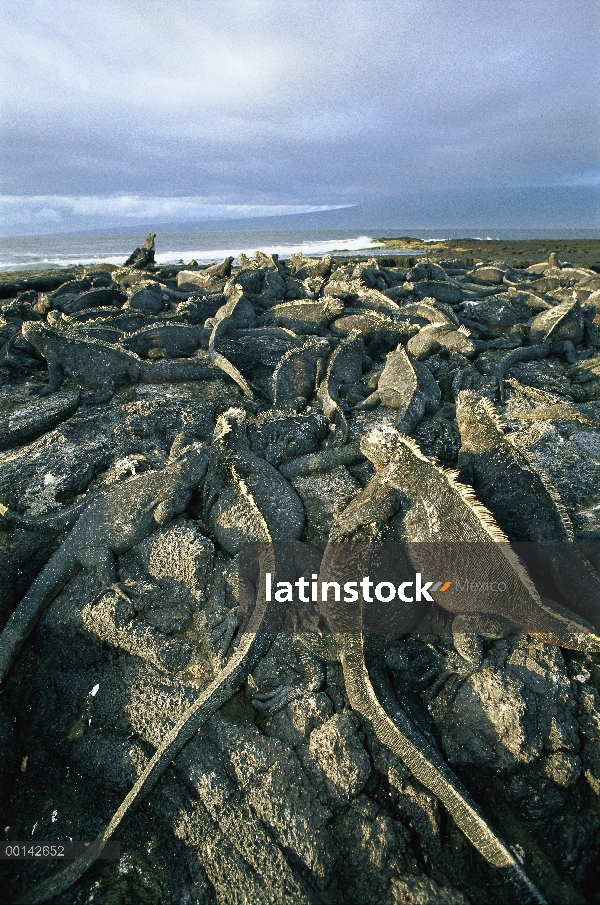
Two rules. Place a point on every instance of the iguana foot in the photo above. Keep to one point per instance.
(117, 587)
(222, 629)
(108, 389)
(309, 680)
(451, 675)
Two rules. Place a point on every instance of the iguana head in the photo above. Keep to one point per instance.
(38, 334)
(459, 338)
(190, 461)
(479, 424)
(385, 445)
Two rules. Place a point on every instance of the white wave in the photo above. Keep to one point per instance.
(362, 243)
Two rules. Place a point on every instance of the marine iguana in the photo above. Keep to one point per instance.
(318, 311)
(96, 364)
(247, 520)
(429, 504)
(349, 553)
(113, 523)
(236, 312)
(142, 257)
(166, 340)
(239, 482)
(545, 406)
(441, 335)
(324, 460)
(431, 311)
(377, 329)
(556, 331)
(298, 371)
(441, 517)
(524, 502)
(408, 386)
(344, 368)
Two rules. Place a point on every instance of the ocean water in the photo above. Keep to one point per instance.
(33, 252)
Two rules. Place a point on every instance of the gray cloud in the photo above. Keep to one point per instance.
(297, 103)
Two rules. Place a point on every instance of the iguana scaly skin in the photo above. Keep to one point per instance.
(295, 376)
(239, 484)
(430, 310)
(324, 460)
(523, 501)
(563, 322)
(96, 364)
(113, 523)
(547, 406)
(438, 512)
(526, 353)
(403, 477)
(167, 340)
(254, 644)
(236, 312)
(317, 311)
(389, 721)
(441, 335)
(408, 386)
(53, 522)
(343, 369)
(371, 323)
(557, 330)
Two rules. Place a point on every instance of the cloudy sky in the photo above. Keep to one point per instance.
(192, 108)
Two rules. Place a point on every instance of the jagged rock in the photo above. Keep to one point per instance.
(589, 720)
(144, 256)
(337, 751)
(178, 552)
(511, 709)
(112, 619)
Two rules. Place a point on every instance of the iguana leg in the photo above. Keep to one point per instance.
(100, 560)
(56, 375)
(222, 629)
(369, 402)
(108, 389)
(467, 634)
(310, 679)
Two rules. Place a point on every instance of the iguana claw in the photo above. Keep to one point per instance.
(222, 629)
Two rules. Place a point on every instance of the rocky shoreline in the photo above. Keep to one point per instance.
(522, 253)
(284, 384)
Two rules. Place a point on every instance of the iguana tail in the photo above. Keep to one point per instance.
(397, 733)
(55, 574)
(526, 353)
(225, 365)
(54, 522)
(252, 648)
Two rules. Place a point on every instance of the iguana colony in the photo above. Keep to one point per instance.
(371, 353)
